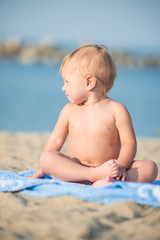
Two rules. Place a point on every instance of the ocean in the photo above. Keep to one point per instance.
(31, 97)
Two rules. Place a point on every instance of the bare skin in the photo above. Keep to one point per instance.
(99, 131)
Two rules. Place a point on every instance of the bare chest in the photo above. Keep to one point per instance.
(91, 123)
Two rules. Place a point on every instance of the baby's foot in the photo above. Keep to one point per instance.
(103, 182)
(38, 174)
(109, 168)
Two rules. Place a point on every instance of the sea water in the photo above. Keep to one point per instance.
(31, 97)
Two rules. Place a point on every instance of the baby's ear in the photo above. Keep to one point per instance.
(90, 82)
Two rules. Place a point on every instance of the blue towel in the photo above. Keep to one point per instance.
(142, 193)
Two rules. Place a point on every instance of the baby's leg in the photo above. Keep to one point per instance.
(65, 168)
(61, 166)
(142, 171)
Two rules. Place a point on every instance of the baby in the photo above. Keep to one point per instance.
(101, 138)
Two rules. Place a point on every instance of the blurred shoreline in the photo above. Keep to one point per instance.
(48, 52)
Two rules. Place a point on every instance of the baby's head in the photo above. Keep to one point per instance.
(95, 61)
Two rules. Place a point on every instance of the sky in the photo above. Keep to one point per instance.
(116, 23)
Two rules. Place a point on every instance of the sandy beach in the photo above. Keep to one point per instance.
(61, 218)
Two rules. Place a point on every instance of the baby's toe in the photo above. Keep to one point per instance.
(115, 172)
(112, 162)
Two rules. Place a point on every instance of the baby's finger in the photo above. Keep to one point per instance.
(123, 178)
(118, 178)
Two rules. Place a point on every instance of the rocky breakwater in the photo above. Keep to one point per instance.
(49, 53)
(128, 60)
(44, 52)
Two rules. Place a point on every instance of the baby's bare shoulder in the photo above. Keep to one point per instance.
(117, 108)
(114, 105)
(65, 113)
(68, 108)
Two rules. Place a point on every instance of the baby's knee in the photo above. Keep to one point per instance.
(153, 169)
(46, 159)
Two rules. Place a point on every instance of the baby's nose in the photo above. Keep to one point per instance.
(63, 88)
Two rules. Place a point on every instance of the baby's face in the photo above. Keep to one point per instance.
(74, 85)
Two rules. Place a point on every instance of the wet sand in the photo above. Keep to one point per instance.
(26, 217)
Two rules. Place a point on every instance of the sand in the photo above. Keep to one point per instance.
(26, 217)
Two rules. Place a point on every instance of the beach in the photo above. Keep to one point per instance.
(66, 217)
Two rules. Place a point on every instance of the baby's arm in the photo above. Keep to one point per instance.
(57, 137)
(60, 132)
(127, 139)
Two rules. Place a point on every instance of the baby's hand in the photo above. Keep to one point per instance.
(122, 174)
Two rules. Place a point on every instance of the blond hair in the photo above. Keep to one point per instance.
(95, 61)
